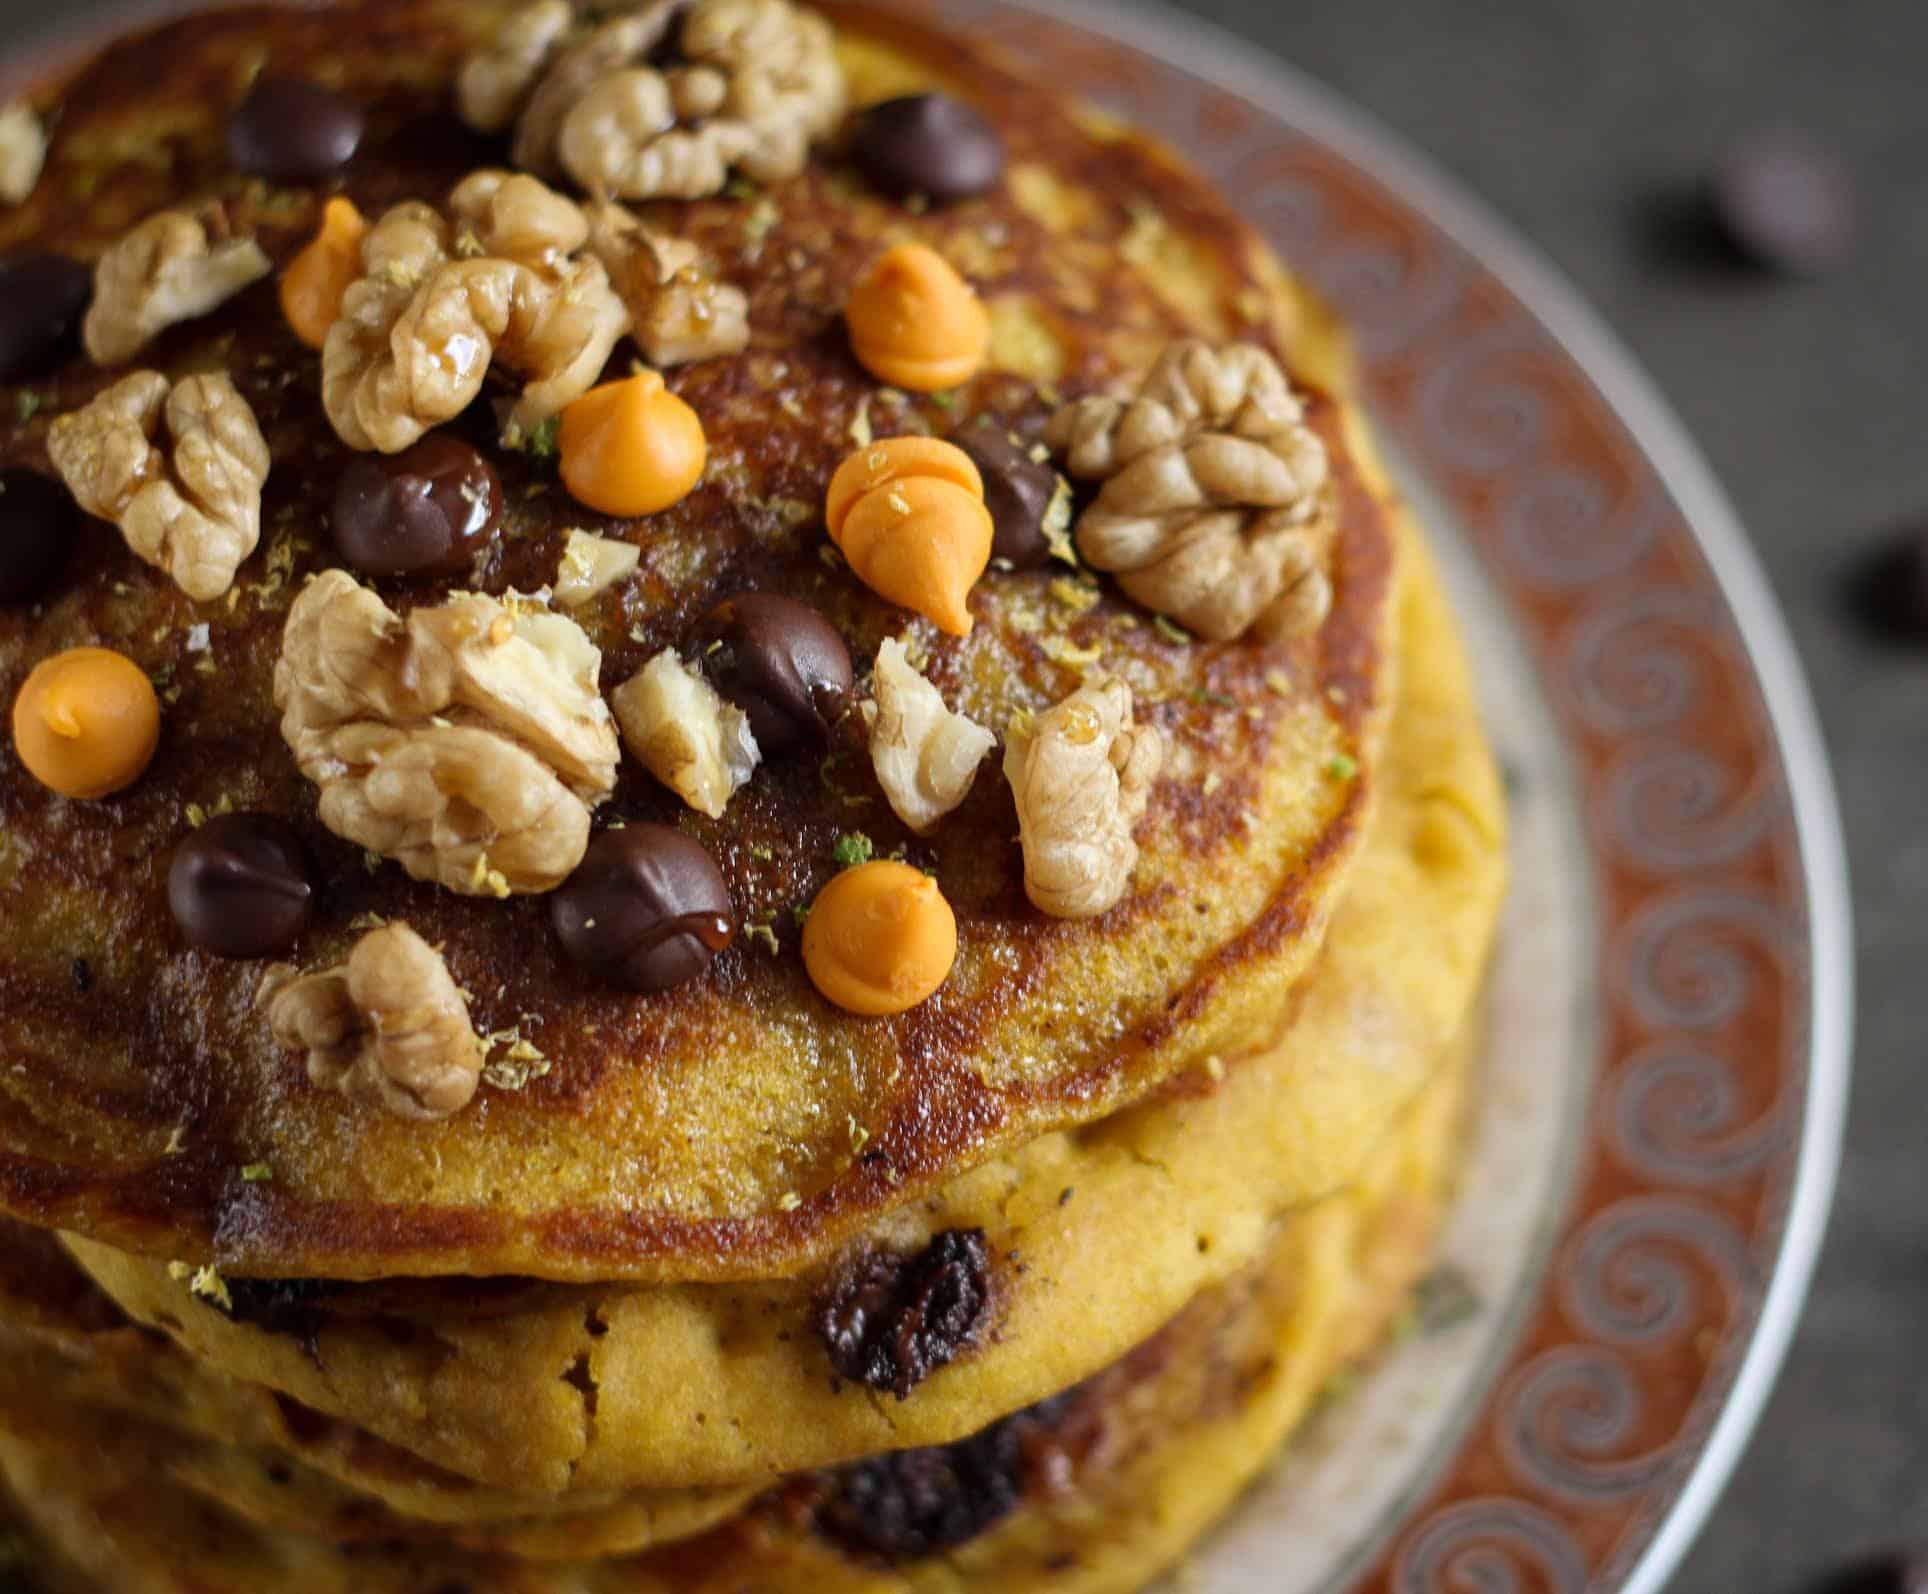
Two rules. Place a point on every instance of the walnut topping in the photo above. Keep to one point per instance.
(440, 298)
(496, 80)
(751, 85)
(23, 151)
(195, 514)
(683, 732)
(387, 1026)
(1082, 775)
(679, 312)
(925, 754)
(592, 564)
(173, 267)
(1211, 510)
(468, 743)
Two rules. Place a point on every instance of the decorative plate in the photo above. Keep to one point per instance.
(1667, 1071)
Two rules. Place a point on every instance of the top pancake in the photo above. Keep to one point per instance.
(739, 1126)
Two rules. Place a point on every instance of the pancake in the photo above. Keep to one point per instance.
(1099, 1235)
(1094, 1494)
(710, 1133)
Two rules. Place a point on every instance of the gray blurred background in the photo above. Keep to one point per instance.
(1585, 124)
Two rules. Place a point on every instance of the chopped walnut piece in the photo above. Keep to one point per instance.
(388, 1026)
(754, 83)
(441, 298)
(683, 732)
(925, 755)
(1213, 508)
(468, 743)
(592, 564)
(195, 513)
(496, 80)
(175, 266)
(23, 151)
(1082, 775)
(679, 312)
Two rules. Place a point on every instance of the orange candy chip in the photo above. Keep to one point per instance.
(908, 513)
(880, 938)
(86, 722)
(631, 447)
(316, 279)
(915, 323)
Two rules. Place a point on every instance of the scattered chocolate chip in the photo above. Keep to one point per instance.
(1785, 203)
(890, 1321)
(37, 525)
(42, 298)
(242, 886)
(646, 909)
(1891, 587)
(1017, 490)
(427, 510)
(782, 663)
(914, 1503)
(1903, 1570)
(928, 144)
(289, 130)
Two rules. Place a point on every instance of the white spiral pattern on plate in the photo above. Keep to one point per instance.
(1675, 1115)
(1634, 1274)
(1495, 1546)
(1566, 1414)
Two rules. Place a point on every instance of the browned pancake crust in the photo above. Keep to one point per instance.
(669, 1133)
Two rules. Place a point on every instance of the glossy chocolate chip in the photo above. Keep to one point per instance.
(889, 1321)
(42, 298)
(37, 525)
(1785, 203)
(782, 663)
(289, 130)
(242, 886)
(645, 910)
(928, 144)
(1017, 490)
(427, 510)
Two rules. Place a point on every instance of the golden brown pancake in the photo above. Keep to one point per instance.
(713, 1132)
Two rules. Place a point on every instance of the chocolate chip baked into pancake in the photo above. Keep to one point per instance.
(738, 1124)
(744, 847)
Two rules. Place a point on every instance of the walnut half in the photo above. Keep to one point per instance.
(175, 266)
(195, 513)
(468, 743)
(925, 755)
(1082, 775)
(388, 1026)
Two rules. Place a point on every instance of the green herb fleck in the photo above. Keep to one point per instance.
(764, 934)
(1342, 767)
(799, 911)
(545, 442)
(741, 188)
(853, 847)
(1213, 699)
(1170, 630)
(257, 1173)
(944, 401)
(27, 404)
(1445, 1299)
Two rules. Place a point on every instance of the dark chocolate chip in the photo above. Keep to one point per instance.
(1785, 203)
(427, 510)
(289, 130)
(37, 525)
(646, 909)
(928, 144)
(890, 1321)
(1017, 490)
(914, 1503)
(1903, 1570)
(42, 298)
(1891, 588)
(782, 663)
(242, 886)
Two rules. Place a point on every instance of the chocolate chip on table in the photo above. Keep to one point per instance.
(927, 144)
(645, 910)
(42, 298)
(289, 130)
(889, 1321)
(782, 663)
(1017, 490)
(427, 510)
(37, 525)
(1786, 203)
(242, 886)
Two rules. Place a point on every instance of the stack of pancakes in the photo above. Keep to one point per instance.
(724, 1289)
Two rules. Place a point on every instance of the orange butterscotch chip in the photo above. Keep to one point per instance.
(86, 722)
(909, 515)
(316, 279)
(880, 938)
(631, 447)
(915, 323)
